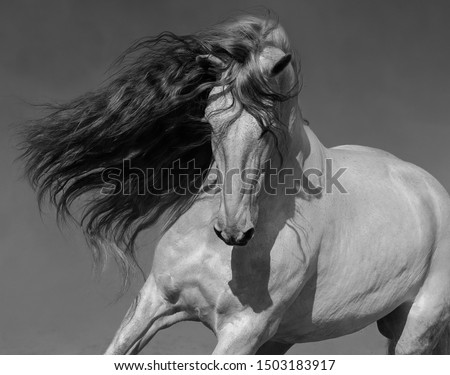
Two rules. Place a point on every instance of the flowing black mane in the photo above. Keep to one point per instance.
(149, 113)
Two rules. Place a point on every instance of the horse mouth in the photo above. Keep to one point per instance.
(241, 239)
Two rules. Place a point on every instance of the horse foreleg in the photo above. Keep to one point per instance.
(149, 313)
(243, 334)
(443, 345)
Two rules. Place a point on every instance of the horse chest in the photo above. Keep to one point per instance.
(221, 280)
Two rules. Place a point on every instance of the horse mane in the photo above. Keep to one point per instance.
(149, 113)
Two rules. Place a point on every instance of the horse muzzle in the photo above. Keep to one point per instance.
(233, 236)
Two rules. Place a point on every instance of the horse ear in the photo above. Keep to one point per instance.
(280, 65)
(210, 59)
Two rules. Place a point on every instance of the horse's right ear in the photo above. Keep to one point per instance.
(281, 64)
(210, 60)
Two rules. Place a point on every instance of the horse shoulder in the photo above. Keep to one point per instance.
(190, 261)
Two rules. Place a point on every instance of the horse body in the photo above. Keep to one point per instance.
(300, 279)
(351, 235)
(395, 208)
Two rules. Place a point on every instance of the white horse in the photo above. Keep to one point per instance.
(366, 241)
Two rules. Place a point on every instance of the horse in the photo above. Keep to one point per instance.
(267, 237)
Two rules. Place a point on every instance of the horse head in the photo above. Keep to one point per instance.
(244, 138)
(118, 141)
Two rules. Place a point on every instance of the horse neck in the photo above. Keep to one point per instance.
(317, 153)
(305, 149)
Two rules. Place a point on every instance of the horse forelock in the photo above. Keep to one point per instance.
(149, 113)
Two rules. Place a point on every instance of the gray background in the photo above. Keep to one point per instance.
(376, 73)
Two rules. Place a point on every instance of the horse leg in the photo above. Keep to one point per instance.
(273, 348)
(243, 334)
(443, 345)
(408, 334)
(423, 333)
(149, 313)
(426, 326)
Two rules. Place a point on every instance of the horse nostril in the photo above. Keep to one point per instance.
(249, 234)
(245, 237)
(219, 233)
(240, 240)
